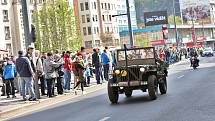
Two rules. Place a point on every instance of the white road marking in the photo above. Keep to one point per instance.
(181, 76)
(105, 119)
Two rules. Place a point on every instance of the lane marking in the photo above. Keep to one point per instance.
(105, 119)
(181, 76)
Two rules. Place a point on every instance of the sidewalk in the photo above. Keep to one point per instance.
(10, 107)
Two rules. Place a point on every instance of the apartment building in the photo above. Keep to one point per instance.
(123, 20)
(2, 33)
(96, 23)
(11, 11)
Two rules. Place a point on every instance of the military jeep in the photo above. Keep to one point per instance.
(137, 68)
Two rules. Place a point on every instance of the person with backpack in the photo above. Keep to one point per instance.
(9, 74)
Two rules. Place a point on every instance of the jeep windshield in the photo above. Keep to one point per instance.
(136, 54)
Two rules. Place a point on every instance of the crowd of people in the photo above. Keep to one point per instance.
(172, 55)
(37, 74)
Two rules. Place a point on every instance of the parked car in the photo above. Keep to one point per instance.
(208, 52)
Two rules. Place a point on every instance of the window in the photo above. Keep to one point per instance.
(93, 18)
(40, 1)
(85, 31)
(105, 6)
(89, 30)
(103, 17)
(97, 42)
(102, 5)
(83, 18)
(108, 29)
(31, 1)
(4, 2)
(5, 15)
(88, 17)
(88, 44)
(110, 18)
(108, 6)
(96, 17)
(94, 5)
(7, 32)
(86, 6)
(8, 47)
(98, 30)
(94, 30)
(82, 6)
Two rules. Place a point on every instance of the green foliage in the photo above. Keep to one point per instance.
(177, 18)
(56, 27)
(141, 40)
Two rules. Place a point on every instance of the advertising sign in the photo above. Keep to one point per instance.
(197, 11)
(155, 18)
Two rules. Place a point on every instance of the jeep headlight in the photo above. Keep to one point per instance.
(142, 69)
(117, 72)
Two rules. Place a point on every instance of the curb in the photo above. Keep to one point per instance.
(23, 109)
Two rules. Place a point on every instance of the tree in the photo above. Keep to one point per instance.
(177, 18)
(107, 38)
(141, 40)
(55, 26)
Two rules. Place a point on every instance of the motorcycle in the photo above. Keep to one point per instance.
(195, 62)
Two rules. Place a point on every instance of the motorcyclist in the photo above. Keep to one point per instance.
(193, 53)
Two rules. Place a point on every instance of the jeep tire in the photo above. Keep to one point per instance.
(113, 93)
(163, 86)
(152, 87)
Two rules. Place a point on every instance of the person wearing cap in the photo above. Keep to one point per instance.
(24, 69)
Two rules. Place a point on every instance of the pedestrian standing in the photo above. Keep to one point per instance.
(96, 64)
(80, 68)
(88, 74)
(42, 78)
(106, 64)
(60, 74)
(9, 74)
(39, 75)
(50, 73)
(24, 69)
(67, 71)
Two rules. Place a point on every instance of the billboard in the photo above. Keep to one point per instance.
(197, 11)
(155, 18)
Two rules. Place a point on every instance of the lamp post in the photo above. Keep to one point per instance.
(175, 25)
(26, 23)
(129, 24)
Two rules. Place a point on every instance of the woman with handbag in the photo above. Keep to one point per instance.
(50, 73)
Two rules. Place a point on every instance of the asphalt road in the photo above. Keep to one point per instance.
(190, 97)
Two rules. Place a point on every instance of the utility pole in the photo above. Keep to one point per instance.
(193, 30)
(129, 24)
(26, 23)
(175, 25)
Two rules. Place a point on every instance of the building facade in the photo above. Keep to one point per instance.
(14, 37)
(123, 20)
(2, 30)
(95, 22)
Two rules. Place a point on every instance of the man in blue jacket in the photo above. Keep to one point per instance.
(9, 74)
(106, 64)
(24, 69)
